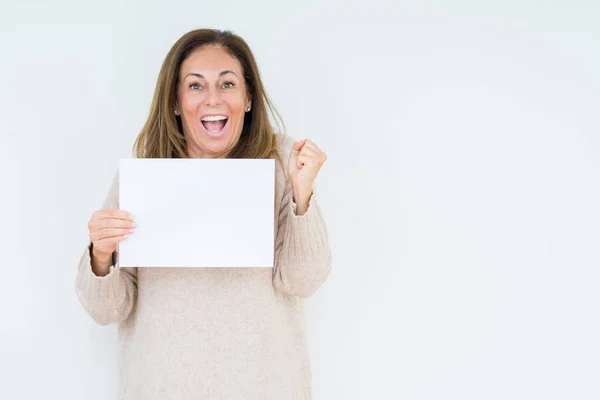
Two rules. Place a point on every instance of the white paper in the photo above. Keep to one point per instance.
(198, 212)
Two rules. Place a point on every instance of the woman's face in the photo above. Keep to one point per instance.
(212, 101)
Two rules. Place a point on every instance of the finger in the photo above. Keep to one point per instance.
(98, 224)
(306, 161)
(296, 150)
(298, 146)
(307, 151)
(108, 243)
(109, 232)
(113, 213)
(311, 145)
(312, 158)
(311, 148)
(293, 160)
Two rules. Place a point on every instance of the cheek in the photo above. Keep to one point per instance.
(189, 102)
(238, 110)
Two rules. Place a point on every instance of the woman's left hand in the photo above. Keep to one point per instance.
(306, 159)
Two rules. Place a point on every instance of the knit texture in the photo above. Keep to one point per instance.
(215, 333)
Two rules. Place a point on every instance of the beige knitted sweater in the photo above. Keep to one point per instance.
(215, 333)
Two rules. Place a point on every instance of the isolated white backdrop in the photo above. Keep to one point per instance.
(461, 189)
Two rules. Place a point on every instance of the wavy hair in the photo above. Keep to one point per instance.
(162, 134)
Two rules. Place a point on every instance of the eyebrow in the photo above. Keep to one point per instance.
(228, 71)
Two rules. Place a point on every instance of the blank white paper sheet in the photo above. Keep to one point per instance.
(198, 212)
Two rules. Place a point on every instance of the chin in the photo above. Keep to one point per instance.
(216, 146)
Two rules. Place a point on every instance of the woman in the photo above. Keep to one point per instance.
(213, 333)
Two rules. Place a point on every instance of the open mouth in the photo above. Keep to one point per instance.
(214, 124)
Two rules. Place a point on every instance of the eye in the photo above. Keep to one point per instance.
(195, 86)
(228, 85)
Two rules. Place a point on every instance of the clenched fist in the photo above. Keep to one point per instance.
(306, 160)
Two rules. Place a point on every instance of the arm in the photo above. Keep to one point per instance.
(110, 297)
(302, 250)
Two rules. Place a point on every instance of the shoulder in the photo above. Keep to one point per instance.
(284, 145)
(284, 148)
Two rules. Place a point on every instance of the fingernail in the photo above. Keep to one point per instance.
(132, 230)
(133, 225)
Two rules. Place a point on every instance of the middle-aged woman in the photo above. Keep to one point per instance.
(212, 333)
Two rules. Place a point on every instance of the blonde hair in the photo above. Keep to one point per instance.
(162, 134)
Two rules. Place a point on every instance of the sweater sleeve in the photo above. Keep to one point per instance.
(111, 298)
(302, 250)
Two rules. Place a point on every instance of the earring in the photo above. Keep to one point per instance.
(248, 109)
(176, 112)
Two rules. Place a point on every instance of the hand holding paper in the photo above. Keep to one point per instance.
(108, 228)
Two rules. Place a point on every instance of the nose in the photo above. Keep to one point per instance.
(213, 97)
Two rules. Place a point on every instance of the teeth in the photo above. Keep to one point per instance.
(214, 118)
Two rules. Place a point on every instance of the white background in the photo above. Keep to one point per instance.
(461, 189)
